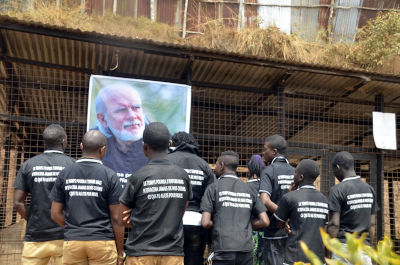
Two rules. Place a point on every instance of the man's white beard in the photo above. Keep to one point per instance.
(125, 135)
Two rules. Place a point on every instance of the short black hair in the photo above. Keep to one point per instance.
(309, 169)
(343, 159)
(183, 138)
(156, 135)
(93, 140)
(256, 165)
(277, 142)
(230, 159)
(53, 135)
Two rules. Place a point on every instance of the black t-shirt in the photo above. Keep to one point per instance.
(231, 204)
(37, 176)
(355, 200)
(275, 181)
(307, 210)
(157, 194)
(124, 163)
(187, 157)
(87, 189)
(254, 185)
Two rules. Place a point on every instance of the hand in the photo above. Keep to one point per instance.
(287, 227)
(126, 217)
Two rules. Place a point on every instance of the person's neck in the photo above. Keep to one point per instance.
(349, 173)
(306, 183)
(253, 177)
(157, 155)
(55, 148)
(91, 156)
(229, 172)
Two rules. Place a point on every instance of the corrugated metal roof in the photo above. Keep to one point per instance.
(81, 52)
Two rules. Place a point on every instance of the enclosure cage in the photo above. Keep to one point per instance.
(236, 103)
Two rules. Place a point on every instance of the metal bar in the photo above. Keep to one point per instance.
(181, 51)
(379, 106)
(260, 141)
(327, 179)
(281, 111)
(299, 6)
(33, 120)
(4, 57)
(392, 222)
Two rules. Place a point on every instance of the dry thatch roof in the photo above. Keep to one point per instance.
(264, 43)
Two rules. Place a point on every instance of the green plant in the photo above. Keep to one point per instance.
(355, 246)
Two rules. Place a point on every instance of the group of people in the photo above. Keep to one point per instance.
(174, 204)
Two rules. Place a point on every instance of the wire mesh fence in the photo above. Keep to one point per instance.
(317, 124)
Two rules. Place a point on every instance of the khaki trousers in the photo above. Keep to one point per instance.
(40, 253)
(102, 252)
(154, 260)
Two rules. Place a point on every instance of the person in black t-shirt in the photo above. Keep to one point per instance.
(307, 210)
(184, 153)
(275, 182)
(156, 196)
(228, 206)
(352, 203)
(85, 202)
(43, 237)
(255, 166)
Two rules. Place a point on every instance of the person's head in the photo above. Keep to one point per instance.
(342, 165)
(183, 138)
(54, 137)
(119, 112)
(227, 162)
(156, 138)
(274, 146)
(306, 171)
(94, 144)
(255, 166)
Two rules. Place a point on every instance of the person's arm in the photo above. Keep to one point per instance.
(206, 220)
(266, 200)
(372, 229)
(333, 224)
(118, 230)
(261, 222)
(19, 203)
(57, 213)
(125, 214)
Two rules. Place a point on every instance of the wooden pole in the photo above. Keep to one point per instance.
(184, 19)
(115, 7)
(241, 15)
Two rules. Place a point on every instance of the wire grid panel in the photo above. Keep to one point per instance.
(316, 126)
(30, 99)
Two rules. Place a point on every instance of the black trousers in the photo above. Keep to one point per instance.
(194, 244)
(274, 251)
(232, 258)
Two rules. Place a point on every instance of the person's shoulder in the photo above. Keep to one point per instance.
(268, 170)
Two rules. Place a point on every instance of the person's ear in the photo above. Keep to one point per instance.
(169, 143)
(101, 118)
(64, 143)
(81, 146)
(103, 151)
(274, 151)
(146, 149)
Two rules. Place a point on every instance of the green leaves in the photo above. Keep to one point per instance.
(353, 250)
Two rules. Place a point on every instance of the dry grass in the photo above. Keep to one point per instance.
(265, 43)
